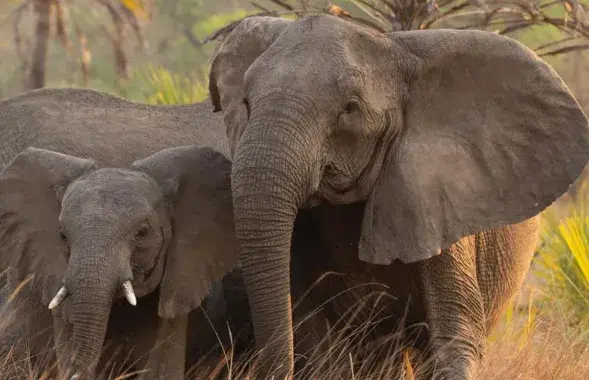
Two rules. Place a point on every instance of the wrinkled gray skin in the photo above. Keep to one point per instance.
(110, 130)
(451, 142)
(132, 333)
(165, 223)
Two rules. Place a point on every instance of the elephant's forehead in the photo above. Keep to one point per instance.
(116, 192)
(328, 34)
(325, 49)
(329, 26)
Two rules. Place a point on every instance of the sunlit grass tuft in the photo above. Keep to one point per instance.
(548, 352)
(563, 260)
(162, 86)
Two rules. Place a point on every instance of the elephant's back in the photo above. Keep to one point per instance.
(106, 128)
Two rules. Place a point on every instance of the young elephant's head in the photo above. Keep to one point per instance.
(92, 235)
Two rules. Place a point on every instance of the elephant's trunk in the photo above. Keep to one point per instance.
(275, 170)
(91, 305)
(91, 284)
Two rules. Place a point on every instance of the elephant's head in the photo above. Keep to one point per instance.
(442, 133)
(100, 234)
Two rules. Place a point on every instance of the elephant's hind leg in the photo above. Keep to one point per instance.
(455, 313)
(503, 260)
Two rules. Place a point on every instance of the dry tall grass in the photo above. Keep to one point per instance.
(546, 355)
(542, 336)
(525, 346)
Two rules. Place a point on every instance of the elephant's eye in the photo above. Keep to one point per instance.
(142, 233)
(66, 253)
(63, 237)
(247, 107)
(351, 106)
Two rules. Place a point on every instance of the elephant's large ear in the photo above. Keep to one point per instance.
(250, 38)
(197, 181)
(491, 136)
(31, 188)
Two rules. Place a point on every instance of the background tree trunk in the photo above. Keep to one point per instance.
(39, 57)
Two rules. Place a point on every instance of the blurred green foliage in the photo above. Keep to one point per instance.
(174, 37)
(216, 21)
(562, 263)
(161, 86)
(181, 76)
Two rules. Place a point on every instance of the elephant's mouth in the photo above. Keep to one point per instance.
(141, 281)
(144, 274)
(146, 280)
(358, 188)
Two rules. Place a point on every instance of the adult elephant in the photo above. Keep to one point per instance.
(99, 234)
(110, 130)
(441, 135)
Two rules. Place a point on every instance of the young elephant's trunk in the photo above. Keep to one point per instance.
(91, 287)
(91, 305)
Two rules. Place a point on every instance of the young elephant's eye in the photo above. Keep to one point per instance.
(63, 237)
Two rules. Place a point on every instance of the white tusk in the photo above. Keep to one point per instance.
(129, 293)
(75, 377)
(59, 297)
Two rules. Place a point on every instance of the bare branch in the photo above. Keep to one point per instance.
(14, 12)
(282, 4)
(85, 56)
(61, 19)
(39, 56)
(221, 33)
(261, 8)
(567, 49)
(393, 15)
(135, 25)
(117, 41)
(552, 43)
(17, 36)
(192, 39)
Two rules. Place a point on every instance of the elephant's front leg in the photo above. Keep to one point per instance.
(13, 336)
(455, 313)
(25, 327)
(166, 359)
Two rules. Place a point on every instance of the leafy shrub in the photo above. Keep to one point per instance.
(563, 259)
(162, 86)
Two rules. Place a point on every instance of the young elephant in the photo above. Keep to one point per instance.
(91, 236)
